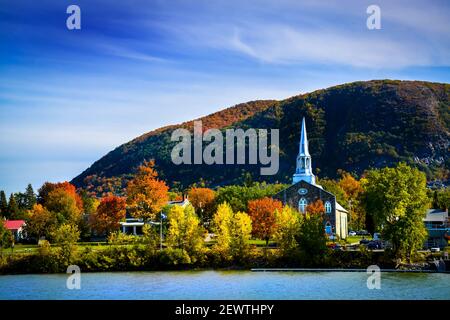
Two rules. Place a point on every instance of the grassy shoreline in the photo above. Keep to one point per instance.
(112, 258)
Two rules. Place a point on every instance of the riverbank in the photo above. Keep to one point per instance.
(141, 258)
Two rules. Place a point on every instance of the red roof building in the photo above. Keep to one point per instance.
(16, 227)
(14, 224)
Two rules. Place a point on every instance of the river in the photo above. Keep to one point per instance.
(226, 285)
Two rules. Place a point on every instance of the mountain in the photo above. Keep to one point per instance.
(351, 127)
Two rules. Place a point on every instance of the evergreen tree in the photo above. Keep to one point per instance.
(13, 209)
(3, 204)
(30, 197)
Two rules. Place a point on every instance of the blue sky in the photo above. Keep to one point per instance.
(69, 97)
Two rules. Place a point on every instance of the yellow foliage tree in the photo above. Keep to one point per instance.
(185, 231)
(232, 230)
(288, 222)
(241, 232)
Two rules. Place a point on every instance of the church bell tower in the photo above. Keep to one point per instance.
(304, 168)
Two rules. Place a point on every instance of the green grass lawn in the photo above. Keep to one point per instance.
(353, 239)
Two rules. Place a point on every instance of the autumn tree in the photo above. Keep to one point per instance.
(241, 231)
(63, 204)
(288, 223)
(146, 194)
(48, 187)
(232, 231)
(316, 208)
(109, 213)
(40, 222)
(262, 212)
(221, 226)
(353, 191)
(185, 231)
(397, 200)
(203, 201)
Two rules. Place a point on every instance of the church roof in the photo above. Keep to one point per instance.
(303, 148)
(340, 208)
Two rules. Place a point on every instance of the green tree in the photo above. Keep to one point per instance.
(6, 238)
(311, 238)
(150, 237)
(3, 205)
(397, 200)
(30, 197)
(13, 208)
(90, 204)
(66, 236)
(288, 221)
(185, 231)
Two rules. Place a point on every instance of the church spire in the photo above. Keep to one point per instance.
(304, 167)
(303, 148)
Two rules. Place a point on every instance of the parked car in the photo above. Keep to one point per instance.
(362, 233)
(373, 245)
(352, 233)
(435, 249)
(377, 236)
(364, 241)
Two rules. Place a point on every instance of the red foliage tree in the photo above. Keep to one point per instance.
(262, 212)
(110, 212)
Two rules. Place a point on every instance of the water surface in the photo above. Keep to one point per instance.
(227, 285)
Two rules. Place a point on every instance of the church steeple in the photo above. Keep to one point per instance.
(304, 168)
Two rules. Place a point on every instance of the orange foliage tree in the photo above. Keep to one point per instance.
(109, 213)
(146, 194)
(48, 187)
(202, 199)
(316, 207)
(262, 212)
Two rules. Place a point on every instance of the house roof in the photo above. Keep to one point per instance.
(14, 224)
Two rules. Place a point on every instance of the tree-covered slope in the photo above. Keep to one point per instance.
(351, 127)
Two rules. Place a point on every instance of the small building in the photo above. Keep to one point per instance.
(16, 227)
(438, 227)
(134, 226)
(304, 190)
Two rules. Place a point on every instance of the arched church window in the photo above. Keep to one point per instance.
(328, 207)
(302, 205)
